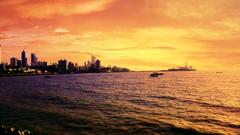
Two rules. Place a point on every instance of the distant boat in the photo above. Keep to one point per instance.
(155, 74)
(184, 68)
(47, 76)
(219, 72)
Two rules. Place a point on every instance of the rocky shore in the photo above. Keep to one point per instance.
(5, 130)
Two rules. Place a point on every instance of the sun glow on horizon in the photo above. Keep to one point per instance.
(138, 34)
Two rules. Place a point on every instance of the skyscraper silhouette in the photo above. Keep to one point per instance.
(93, 59)
(13, 62)
(24, 59)
(62, 66)
(98, 65)
(0, 54)
(34, 59)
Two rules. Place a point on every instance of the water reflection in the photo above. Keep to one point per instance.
(126, 103)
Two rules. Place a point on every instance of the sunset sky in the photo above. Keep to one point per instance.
(139, 34)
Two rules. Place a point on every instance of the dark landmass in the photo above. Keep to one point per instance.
(7, 71)
(26, 74)
(21, 67)
(5, 130)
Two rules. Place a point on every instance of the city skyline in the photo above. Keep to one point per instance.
(19, 67)
(23, 60)
(139, 34)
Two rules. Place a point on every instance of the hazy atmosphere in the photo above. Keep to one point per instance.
(119, 67)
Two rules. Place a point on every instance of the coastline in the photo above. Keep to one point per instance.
(6, 130)
(14, 75)
(33, 74)
(30, 74)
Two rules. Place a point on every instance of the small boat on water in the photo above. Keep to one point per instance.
(47, 76)
(219, 72)
(155, 74)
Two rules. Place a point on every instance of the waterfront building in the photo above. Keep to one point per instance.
(62, 66)
(13, 62)
(34, 60)
(71, 67)
(0, 54)
(19, 63)
(88, 63)
(24, 59)
(98, 65)
(42, 64)
(2, 67)
(93, 59)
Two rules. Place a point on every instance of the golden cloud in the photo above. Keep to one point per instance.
(45, 9)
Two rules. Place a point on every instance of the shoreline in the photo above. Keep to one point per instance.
(30, 74)
(7, 130)
(15, 75)
(27, 74)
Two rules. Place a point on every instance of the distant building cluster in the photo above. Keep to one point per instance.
(19, 66)
(94, 65)
(64, 66)
(23, 62)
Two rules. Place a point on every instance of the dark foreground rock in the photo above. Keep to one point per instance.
(4, 130)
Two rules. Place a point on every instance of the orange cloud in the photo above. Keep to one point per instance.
(61, 30)
(12, 2)
(3, 36)
(46, 8)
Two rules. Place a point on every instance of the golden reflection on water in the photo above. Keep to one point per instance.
(194, 102)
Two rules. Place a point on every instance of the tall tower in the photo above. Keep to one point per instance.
(62, 66)
(98, 65)
(93, 59)
(13, 62)
(34, 59)
(24, 59)
(0, 54)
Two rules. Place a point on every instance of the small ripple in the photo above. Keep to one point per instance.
(164, 97)
(143, 126)
(187, 131)
(60, 100)
(204, 104)
(145, 103)
(217, 122)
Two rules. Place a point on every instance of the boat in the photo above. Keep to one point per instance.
(155, 74)
(219, 72)
(183, 68)
(47, 76)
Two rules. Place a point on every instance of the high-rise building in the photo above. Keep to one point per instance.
(24, 59)
(13, 62)
(62, 66)
(88, 63)
(2, 67)
(34, 59)
(0, 54)
(98, 65)
(19, 63)
(71, 66)
(93, 59)
(42, 64)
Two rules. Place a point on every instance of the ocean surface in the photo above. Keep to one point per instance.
(177, 103)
